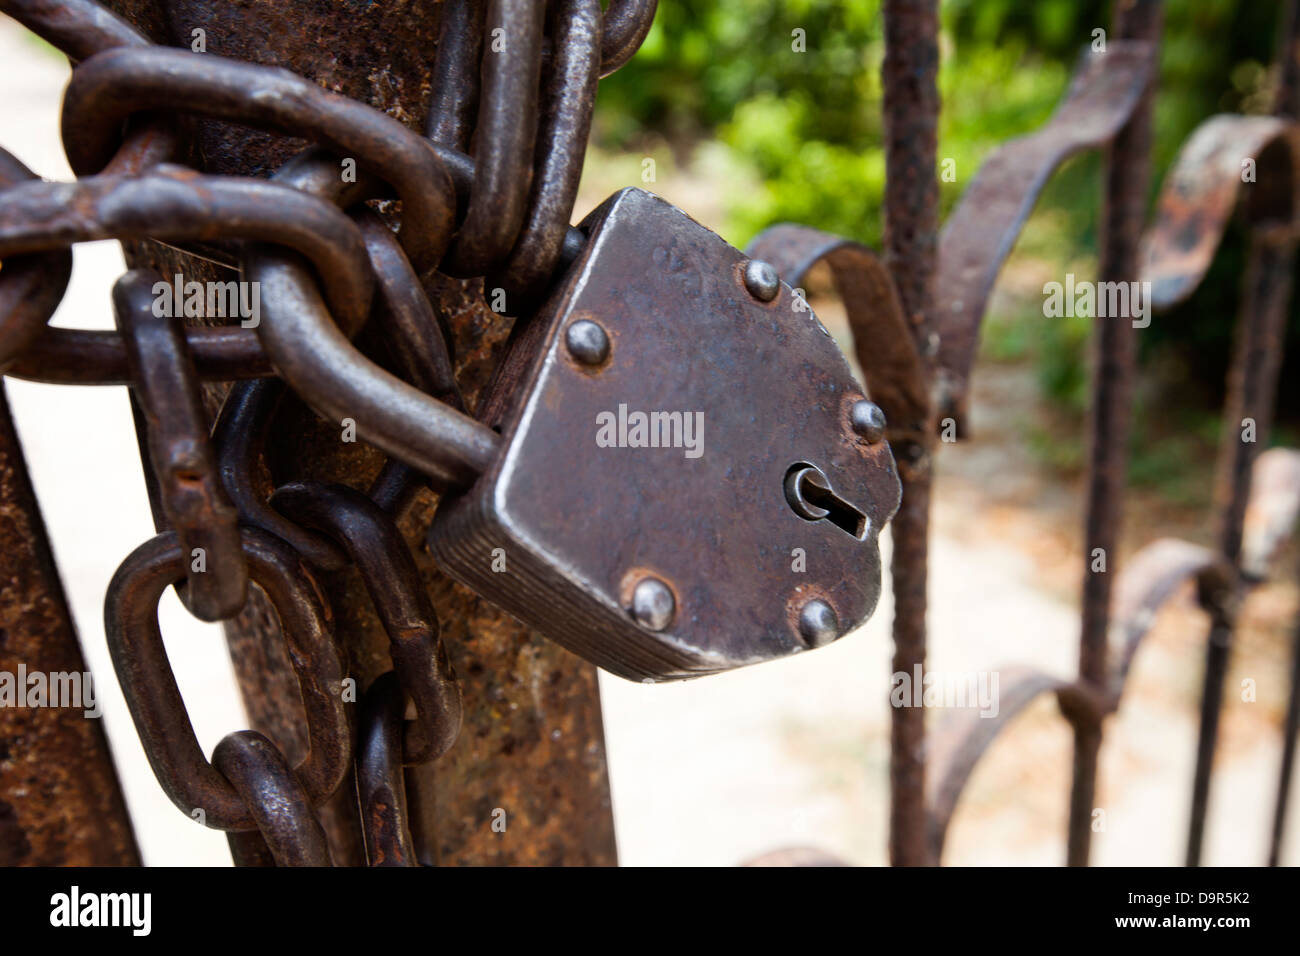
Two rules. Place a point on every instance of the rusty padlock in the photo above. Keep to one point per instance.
(691, 480)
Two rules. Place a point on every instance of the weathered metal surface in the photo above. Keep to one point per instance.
(381, 783)
(1202, 189)
(982, 230)
(896, 375)
(956, 746)
(527, 126)
(375, 546)
(504, 133)
(911, 111)
(529, 704)
(1151, 578)
(81, 28)
(1114, 349)
(1272, 512)
(113, 85)
(288, 831)
(60, 804)
(134, 640)
(276, 797)
(171, 201)
(78, 357)
(239, 437)
(31, 287)
(571, 79)
(1252, 385)
(316, 357)
(566, 527)
(405, 316)
(301, 337)
(189, 490)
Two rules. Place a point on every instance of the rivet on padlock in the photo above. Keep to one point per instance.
(675, 426)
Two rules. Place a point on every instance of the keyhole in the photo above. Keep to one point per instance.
(811, 497)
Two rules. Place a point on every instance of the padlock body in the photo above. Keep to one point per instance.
(666, 459)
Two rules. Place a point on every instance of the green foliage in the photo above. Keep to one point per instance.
(801, 123)
(807, 124)
(806, 128)
(701, 61)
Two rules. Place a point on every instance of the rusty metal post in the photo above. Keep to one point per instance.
(1127, 177)
(911, 108)
(60, 803)
(1287, 767)
(1288, 105)
(1252, 391)
(532, 743)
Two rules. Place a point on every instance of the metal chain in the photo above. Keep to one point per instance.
(327, 265)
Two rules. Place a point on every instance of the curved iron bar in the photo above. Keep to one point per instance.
(981, 231)
(1150, 579)
(956, 746)
(1202, 190)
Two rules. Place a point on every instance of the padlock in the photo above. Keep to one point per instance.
(690, 480)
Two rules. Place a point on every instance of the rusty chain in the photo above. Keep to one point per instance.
(488, 192)
(327, 265)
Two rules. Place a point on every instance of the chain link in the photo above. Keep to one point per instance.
(327, 264)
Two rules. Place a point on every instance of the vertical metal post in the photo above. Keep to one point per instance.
(1127, 176)
(911, 109)
(61, 803)
(1288, 105)
(1285, 771)
(1252, 391)
(532, 742)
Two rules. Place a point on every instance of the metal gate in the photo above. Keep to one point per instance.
(208, 161)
